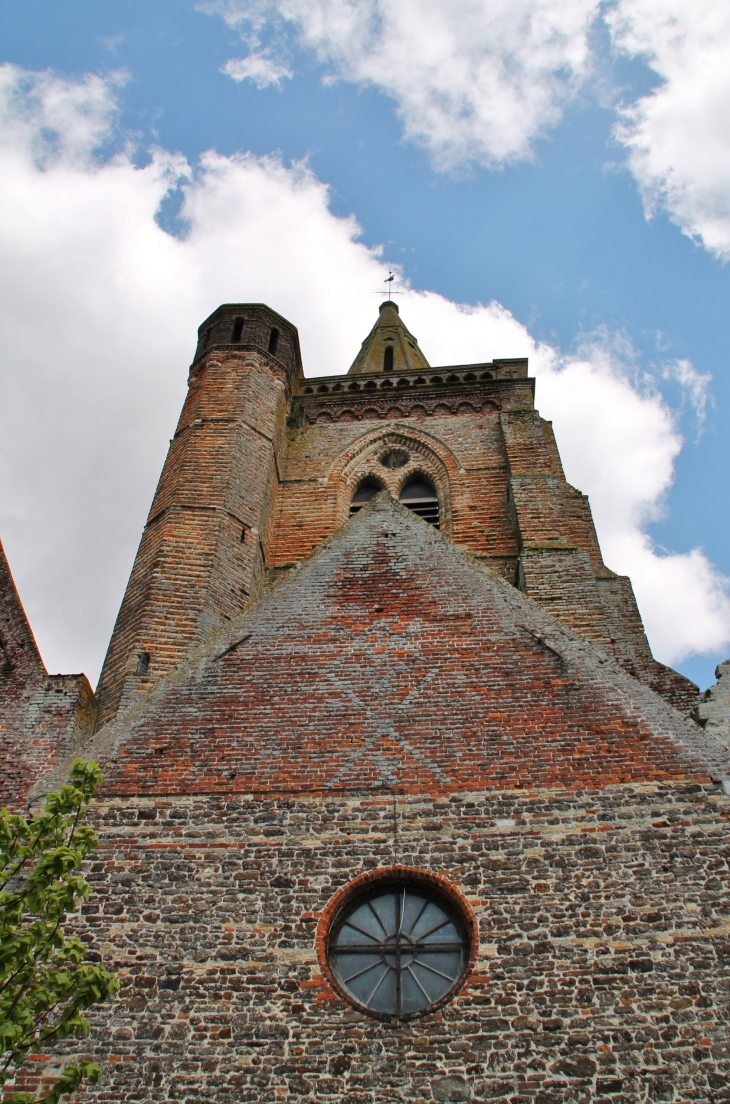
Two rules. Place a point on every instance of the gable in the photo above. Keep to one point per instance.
(391, 660)
(19, 656)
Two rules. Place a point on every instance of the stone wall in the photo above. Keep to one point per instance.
(603, 971)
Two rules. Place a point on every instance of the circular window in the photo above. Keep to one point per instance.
(398, 948)
(395, 458)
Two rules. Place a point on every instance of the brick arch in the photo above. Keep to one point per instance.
(427, 879)
(429, 457)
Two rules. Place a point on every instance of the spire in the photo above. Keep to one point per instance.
(389, 347)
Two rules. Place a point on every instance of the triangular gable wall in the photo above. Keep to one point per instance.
(392, 660)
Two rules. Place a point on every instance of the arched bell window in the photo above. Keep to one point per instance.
(420, 496)
(365, 491)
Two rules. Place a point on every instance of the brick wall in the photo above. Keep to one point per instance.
(196, 565)
(390, 702)
(392, 657)
(43, 718)
(326, 698)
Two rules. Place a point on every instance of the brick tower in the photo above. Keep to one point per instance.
(201, 551)
(398, 805)
(264, 464)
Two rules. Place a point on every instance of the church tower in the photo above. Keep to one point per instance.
(398, 806)
(203, 546)
(265, 465)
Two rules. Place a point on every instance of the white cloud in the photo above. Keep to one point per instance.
(695, 386)
(259, 68)
(52, 119)
(98, 312)
(678, 136)
(618, 443)
(471, 80)
(478, 82)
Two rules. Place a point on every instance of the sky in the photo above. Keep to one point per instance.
(546, 178)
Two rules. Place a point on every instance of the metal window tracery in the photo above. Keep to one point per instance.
(398, 950)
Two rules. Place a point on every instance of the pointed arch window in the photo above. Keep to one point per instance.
(388, 358)
(365, 491)
(420, 496)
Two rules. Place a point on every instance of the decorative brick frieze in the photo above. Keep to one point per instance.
(378, 407)
(410, 394)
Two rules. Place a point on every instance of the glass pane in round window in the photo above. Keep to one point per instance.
(398, 949)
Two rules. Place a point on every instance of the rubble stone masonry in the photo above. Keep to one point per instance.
(603, 971)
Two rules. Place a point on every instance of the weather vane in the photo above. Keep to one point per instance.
(389, 281)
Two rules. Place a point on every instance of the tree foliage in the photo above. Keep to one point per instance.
(46, 977)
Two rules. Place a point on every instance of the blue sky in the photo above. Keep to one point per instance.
(475, 145)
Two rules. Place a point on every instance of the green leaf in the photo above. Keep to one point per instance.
(46, 980)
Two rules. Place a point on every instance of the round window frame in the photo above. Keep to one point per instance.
(386, 877)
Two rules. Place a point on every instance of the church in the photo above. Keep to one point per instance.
(398, 805)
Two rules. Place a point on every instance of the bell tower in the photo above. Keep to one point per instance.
(204, 543)
(266, 465)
